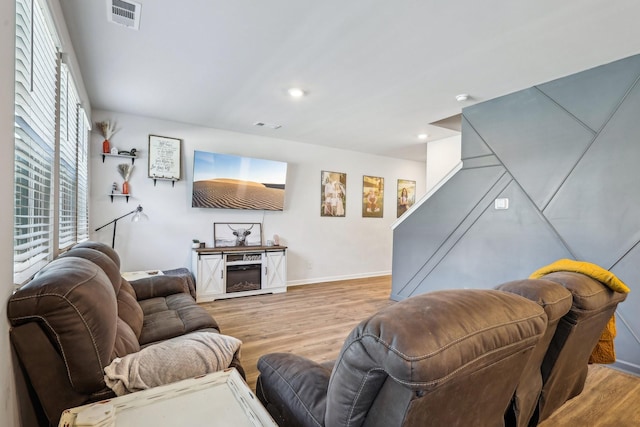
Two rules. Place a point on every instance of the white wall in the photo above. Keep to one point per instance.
(442, 156)
(320, 248)
(8, 399)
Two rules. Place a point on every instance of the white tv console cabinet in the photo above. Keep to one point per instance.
(239, 271)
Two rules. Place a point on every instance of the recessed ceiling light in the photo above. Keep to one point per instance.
(423, 136)
(296, 92)
(462, 97)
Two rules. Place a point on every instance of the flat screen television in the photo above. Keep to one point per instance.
(234, 182)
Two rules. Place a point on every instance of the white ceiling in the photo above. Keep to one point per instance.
(377, 72)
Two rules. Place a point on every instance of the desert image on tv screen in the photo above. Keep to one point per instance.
(234, 182)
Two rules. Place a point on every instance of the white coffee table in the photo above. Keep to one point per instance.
(217, 399)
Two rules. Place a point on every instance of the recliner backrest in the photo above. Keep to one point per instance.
(556, 302)
(565, 366)
(74, 302)
(428, 356)
(99, 246)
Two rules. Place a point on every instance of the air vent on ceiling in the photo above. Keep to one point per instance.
(268, 125)
(125, 13)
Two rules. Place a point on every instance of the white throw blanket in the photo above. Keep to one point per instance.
(179, 358)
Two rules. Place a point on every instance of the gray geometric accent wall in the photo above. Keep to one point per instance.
(567, 156)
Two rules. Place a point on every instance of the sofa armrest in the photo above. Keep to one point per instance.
(159, 286)
(44, 371)
(293, 389)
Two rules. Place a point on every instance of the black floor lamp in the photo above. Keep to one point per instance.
(138, 215)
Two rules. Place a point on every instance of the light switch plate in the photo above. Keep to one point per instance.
(501, 203)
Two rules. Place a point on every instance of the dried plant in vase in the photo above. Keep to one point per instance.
(106, 129)
(125, 172)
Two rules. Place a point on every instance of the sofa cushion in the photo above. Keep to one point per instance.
(105, 249)
(589, 296)
(74, 301)
(128, 308)
(168, 317)
(553, 298)
(172, 360)
(159, 286)
(103, 261)
(126, 340)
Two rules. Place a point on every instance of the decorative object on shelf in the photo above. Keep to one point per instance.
(125, 172)
(406, 195)
(195, 244)
(106, 129)
(117, 193)
(237, 234)
(333, 193)
(372, 196)
(164, 158)
(138, 215)
(114, 150)
(131, 153)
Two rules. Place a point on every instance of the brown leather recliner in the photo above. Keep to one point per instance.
(78, 314)
(565, 366)
(446, 358)
(556, 302)
(558, 368)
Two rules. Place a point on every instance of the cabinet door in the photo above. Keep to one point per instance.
(276, 269)
(210, 275)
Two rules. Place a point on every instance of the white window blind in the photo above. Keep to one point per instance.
(68, 170)
(36, 68)
(82, 213)
(46, 97)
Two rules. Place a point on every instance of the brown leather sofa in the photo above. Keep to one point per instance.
(446, 358)
(407, 365)
(78, 314)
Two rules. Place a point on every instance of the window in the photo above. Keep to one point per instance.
(69, 116)
(82, 208)
(47, 166)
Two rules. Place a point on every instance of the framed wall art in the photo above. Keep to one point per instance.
(333, 193)
(228, 234)
(165, 157)
(372, 196)
(406, 195)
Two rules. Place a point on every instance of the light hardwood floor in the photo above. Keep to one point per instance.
(314, 320)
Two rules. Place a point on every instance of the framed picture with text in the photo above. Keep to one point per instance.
(165, 157)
